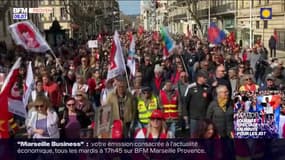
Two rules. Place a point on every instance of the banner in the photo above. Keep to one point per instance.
(27, 35)
(5, 92)
(257, 115)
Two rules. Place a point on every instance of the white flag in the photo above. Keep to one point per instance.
(26, 34)
(131, 62)
(29, 85)
(117, 62)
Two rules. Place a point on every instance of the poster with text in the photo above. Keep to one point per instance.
(257, 116)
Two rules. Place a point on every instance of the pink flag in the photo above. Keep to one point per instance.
(117, 62)
(27, 35)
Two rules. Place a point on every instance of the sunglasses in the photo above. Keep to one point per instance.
(248, 79)
(71, 104)
(39, 106)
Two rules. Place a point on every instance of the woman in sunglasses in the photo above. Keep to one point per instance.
(156, 128)
(42, 122)
(248, 84)
(73, 120)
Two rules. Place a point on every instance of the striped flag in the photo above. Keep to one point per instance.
(131, 62)
(168, 43)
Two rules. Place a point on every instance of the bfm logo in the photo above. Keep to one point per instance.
(20, 13)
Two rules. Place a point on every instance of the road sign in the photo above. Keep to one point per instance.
(265, 13)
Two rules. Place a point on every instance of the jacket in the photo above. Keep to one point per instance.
(197, 99)
(129, 108)
(52, 124)
(223, 120)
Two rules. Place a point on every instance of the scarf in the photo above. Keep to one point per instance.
(222, 103)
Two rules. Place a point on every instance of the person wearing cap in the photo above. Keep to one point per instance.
(43, 121)
(269, 84)
(146, 104)
(198, 96)
(156, 128)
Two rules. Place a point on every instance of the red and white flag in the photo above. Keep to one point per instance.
(26, 34)
(117, 62)
(4, 96)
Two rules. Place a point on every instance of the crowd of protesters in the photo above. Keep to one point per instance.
(193, 86)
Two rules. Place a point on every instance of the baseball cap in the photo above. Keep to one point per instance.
(157, 114)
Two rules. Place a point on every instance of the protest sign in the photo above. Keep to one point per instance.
(103, 122)
(92, 44)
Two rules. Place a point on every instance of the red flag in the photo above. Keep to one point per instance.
(5, 92)
(275, 35)
(155, 36)
(27, 35)
(140, 30)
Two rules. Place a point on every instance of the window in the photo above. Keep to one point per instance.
(257, 25)
(259, 2)
(265, 24)
(281, 40)
(266, 1)
(63, 14)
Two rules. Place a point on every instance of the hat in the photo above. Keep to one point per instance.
(157, 114)
(270, 77)
(202, 73)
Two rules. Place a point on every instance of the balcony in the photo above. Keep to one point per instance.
(223, 9)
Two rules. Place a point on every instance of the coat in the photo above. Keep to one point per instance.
(222, 120)
(129, 108)
(52, 124)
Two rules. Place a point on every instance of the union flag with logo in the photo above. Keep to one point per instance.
(26, 34)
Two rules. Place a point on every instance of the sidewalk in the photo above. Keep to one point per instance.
(280, 54)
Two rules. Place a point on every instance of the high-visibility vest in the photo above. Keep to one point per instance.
(169, 105)
(145, 111)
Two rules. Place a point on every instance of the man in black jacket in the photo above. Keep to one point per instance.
(197, 97)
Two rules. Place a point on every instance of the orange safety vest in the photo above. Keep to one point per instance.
(170, 106)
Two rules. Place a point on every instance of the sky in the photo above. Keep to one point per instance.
(130, 7)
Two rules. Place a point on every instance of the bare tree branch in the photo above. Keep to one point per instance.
(193, 13)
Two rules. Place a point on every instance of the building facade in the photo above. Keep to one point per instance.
(261, 29)
(59, 13)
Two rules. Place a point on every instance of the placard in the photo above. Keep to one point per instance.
(92, 44)
(103, 122)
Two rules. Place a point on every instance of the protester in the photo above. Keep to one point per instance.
(146, 104)
(73, 120)
(156, 128)
(220, 111)
(43, 121)
(123, 105)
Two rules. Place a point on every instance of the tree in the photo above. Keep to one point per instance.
(84, 13)
(192, 9)
(4, 6)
